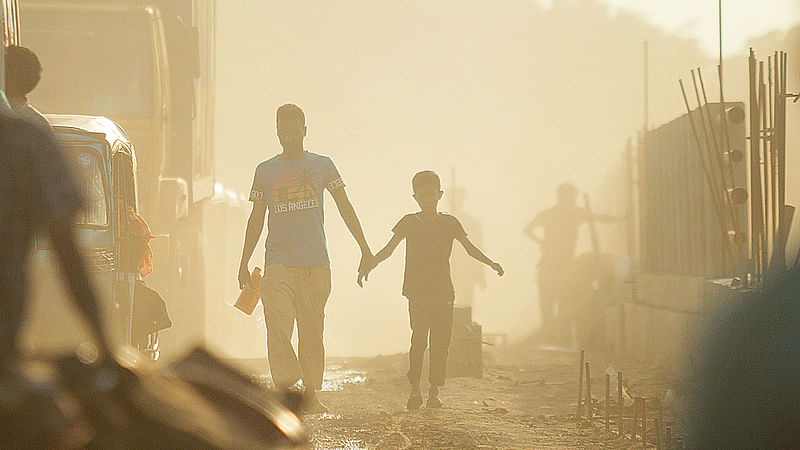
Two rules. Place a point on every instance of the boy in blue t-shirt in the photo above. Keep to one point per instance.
(427, 284)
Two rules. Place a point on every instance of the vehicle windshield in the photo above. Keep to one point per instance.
(95, 63)
(87, 169)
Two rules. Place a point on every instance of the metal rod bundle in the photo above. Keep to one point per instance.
(712, 186)
(770, 217)
(734, 195)
(713, 154)
(762, 95)
(756, 211)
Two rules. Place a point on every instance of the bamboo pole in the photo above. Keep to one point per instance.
(608, 402)
(589, 411)
(621, 405)
(580, 386)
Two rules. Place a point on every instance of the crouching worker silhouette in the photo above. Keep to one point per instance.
(427, 284)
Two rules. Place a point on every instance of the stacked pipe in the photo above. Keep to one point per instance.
(770, 216)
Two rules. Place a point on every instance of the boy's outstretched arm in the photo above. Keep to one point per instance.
(477, 254)
(380, 257)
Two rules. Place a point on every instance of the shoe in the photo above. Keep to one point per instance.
(312, 405)
(433, 402)
(414, 401)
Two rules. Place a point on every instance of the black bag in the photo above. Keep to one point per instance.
(149, 312)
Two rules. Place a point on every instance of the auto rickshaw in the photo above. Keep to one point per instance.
(103, 162)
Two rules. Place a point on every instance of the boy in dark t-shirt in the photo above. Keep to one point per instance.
(427, 284)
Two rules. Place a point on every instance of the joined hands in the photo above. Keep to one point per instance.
(365, 267)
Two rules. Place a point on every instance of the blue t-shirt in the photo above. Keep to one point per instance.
(293, 192)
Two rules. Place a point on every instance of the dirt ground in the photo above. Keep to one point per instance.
(525, 399)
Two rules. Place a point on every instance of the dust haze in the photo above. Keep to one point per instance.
(504, 101)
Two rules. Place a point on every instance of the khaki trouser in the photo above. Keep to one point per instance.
(429, 317)
(289, 294)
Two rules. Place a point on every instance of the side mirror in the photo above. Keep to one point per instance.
(173, 201)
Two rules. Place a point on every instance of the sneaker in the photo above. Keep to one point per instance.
(414, 401)
(312, 405)
(433, 402)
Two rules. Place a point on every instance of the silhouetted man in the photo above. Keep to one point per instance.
(23, 72)
(297, 276)
(560, 224)
(37, 194)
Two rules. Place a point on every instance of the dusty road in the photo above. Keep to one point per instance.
(524, 400)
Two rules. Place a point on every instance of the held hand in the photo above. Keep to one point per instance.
(497, 268)
(364, 268)
(367, 263)
(361, 278)
(244, 277)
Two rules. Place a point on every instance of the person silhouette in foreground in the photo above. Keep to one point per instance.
(23, 73)
(427, 285)
(746, 370)
(297, 274)
(37, 194)
(560, 225)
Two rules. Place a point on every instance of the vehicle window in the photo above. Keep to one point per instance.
(96, 63)
(88, 171)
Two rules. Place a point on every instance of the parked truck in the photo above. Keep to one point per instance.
(148, 66)
(9, 23)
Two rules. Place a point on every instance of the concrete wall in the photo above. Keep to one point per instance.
(665, 319)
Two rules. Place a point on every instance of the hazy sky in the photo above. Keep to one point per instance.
(698, 19)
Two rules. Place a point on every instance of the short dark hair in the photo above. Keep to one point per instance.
(426, 178)
(23, 69)
(292, 112)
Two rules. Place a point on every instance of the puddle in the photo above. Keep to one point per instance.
(340, 443)
(336, 378)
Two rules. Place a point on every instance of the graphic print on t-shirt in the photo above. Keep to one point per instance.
(295, 190)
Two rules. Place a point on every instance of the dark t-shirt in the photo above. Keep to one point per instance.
(429, 242)
(560, 225)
